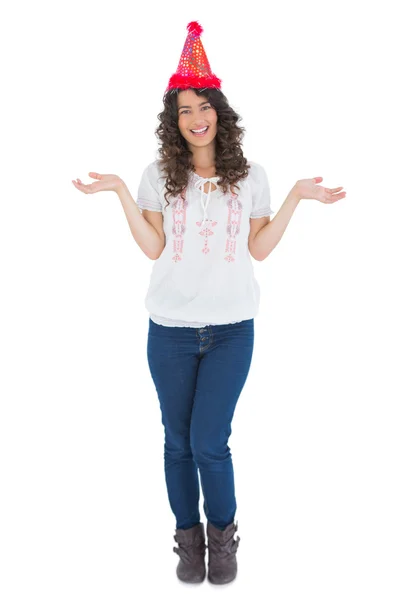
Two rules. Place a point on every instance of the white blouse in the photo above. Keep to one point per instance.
(204, 275)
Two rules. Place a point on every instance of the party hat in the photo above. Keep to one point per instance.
(193, 68)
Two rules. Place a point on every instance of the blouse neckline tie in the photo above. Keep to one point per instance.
(199, 184)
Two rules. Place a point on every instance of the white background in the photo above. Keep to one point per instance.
(84, 511)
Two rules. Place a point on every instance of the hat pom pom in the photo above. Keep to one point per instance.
(195, 28)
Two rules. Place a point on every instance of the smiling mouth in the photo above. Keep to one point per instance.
(199, 132)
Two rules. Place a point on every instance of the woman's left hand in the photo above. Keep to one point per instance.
(307, 189)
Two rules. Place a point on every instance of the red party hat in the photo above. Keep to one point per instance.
(193, 69)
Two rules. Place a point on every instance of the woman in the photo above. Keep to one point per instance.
(202, 211)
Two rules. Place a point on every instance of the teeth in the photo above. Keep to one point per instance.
(198, 130)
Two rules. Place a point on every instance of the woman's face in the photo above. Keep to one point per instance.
(194, 113)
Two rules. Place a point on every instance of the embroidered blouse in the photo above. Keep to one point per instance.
(204, 276)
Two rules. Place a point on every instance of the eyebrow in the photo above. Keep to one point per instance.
(201, 103)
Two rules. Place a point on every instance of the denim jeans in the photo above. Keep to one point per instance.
(199, 375)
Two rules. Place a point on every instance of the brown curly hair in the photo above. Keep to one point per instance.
(175, 156)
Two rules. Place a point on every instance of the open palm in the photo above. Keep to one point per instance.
(308, 189)
(104, 183)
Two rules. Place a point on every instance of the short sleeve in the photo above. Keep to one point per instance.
(260, 192)
(148, 197)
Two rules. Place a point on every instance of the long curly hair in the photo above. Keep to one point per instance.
(175, 156)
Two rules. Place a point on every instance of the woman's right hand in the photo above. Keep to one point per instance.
(104, 183)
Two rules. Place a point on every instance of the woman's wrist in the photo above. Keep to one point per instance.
(295, 193)
(121, 188)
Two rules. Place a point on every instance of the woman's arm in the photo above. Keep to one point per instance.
(146, 236)
(269, 235)
(267, 238)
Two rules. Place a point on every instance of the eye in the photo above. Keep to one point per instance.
(185, 111)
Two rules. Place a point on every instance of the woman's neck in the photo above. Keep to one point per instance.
(203, 159)
(206, 173)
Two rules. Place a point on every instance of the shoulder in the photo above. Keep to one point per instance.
(257, 172)
(153, 169)
(255, 179)
(154, 173)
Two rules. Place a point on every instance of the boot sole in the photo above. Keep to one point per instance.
(194, 581)
(221, 582)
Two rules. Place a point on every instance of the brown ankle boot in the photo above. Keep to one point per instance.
(191, 550)
(222, 564)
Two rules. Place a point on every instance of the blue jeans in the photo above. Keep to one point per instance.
(199, 375)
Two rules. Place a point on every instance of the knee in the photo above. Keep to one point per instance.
(207, 450)
(177, 449)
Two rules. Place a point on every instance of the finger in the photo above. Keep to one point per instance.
(333, 194)
(94, 175)
(330, 198)
(87, 189)
(339, 194)
(79, 186)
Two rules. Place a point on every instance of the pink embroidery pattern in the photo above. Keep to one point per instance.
(206, 232)
(233, 227)
(179, 207)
